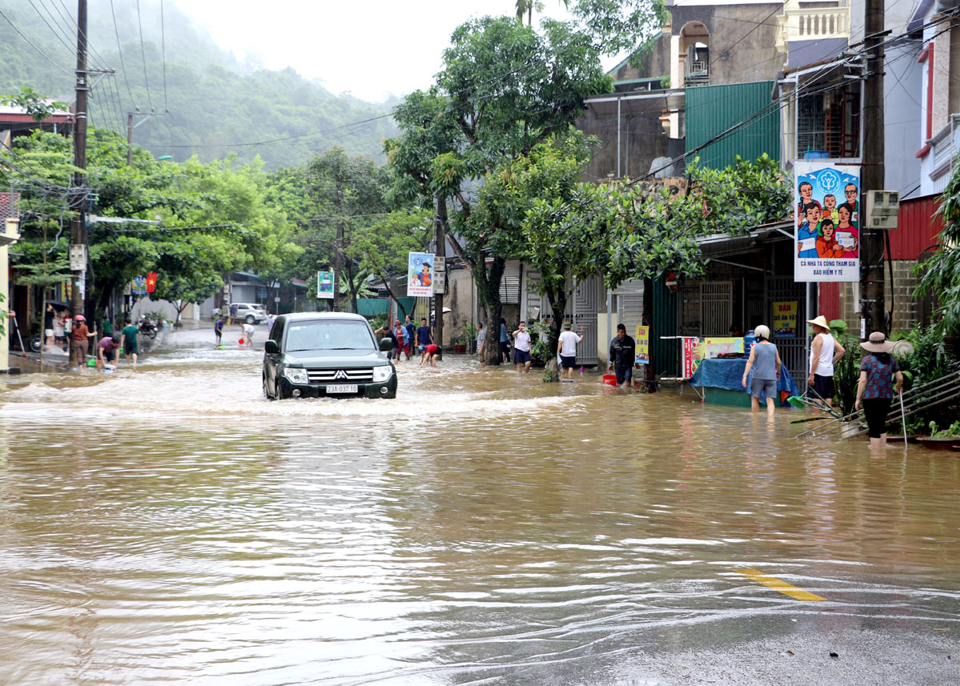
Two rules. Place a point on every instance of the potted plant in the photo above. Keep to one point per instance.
(460, 344)
(942, 439)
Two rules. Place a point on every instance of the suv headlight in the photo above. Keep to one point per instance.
(295, 375)
(382, 373)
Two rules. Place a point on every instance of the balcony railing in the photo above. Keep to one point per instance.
(797, 23)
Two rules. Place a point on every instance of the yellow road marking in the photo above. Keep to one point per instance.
(778, 584)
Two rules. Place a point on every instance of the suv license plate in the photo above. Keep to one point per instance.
(342, 388)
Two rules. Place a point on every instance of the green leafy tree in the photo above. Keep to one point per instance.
(213, 217)
(385, 244)
(940, 275)
(354, 191)
(503, 89)
(182, 291)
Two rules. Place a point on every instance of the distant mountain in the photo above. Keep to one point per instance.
(216, 104)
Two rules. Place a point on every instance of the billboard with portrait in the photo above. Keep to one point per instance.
(827, 221)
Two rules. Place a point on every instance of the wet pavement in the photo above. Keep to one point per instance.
(168, 525)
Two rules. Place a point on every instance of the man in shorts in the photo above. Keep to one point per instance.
(431, 353)
(824, 353)
(424, 337)
(567, 350)
(248, 332)
(521, 349)
(129, 333)
(218, 330)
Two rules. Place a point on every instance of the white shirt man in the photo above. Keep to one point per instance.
(567, 350)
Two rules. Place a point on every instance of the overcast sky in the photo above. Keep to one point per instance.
(372, 48)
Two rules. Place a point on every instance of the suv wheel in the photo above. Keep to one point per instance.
(250, 319)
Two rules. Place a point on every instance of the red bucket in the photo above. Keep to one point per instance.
(610, 379)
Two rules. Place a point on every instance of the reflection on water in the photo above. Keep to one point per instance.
(169, 525)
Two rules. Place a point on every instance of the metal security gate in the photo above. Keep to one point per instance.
(585, 308)
(716, 308)
(793, 351)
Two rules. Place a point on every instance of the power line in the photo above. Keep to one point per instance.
(42, 53)
(143, 54)
(71, 22)
(123, 67)
(286, 138)
(163, 55)
(57, 33)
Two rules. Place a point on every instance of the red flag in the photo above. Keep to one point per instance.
(151, 282)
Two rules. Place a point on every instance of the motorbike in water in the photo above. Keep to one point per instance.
(148, 329)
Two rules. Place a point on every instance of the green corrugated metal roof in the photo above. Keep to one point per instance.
(711, 110)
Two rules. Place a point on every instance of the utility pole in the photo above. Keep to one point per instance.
(78, 234)
(337, 248)
(441, 250)
(872, 173)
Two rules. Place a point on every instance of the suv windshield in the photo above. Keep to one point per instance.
(329, 335)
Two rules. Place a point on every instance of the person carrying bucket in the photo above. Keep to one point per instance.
(623, 351)
(765, 362)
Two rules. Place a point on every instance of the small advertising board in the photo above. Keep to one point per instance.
(643, 345)
(325, 285)
(420, 275)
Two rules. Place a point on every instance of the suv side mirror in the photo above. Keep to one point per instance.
(271, 348)
(386, 344)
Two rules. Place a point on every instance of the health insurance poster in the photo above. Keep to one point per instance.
(420, 275)
(827, 221)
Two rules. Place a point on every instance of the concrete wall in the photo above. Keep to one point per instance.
(461, 299)
(902, 117)
(641, 137)
(191, 314)
(742, 39)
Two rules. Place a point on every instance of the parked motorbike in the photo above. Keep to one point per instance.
(148, 329)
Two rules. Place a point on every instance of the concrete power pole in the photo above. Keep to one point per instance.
(337, 261)
(441, 250)
(872, 173)
(78, 237)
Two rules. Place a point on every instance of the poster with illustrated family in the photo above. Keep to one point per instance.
(420, 275)
(827, 221)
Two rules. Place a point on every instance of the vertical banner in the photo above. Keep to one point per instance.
(689, 353)
(420, 275)
(139, 285)
(643, 345)
(325, 285)
(439, 274)
(785, 319)
(827, 220)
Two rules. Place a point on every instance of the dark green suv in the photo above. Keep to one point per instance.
(320, 354)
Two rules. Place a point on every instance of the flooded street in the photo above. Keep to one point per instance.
(168, 525)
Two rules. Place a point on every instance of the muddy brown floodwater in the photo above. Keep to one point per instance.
(167, 525)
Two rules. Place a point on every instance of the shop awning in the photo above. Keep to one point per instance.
(727, 244)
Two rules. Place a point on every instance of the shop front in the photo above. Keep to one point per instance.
(748, 281)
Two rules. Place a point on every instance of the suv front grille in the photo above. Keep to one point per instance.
(362, 375)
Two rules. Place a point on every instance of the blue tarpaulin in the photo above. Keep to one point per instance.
(728, 374)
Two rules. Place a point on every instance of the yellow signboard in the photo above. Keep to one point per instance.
(643, 345)
(785, 319)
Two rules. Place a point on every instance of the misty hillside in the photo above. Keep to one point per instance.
(216, 104)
